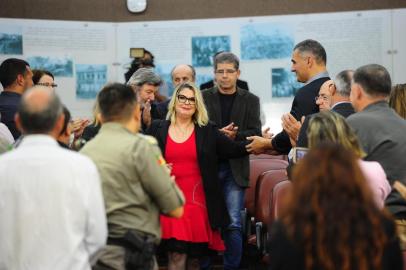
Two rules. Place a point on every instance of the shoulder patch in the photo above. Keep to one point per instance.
(156, 152)
(149, 139)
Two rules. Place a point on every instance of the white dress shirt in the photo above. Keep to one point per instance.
(51, 208)
(6, 134)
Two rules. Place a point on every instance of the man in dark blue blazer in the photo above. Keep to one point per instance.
(309, 64)
(16, 78)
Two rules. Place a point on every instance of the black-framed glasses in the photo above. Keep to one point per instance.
(184, 99)
(225, 71)
(53, 85)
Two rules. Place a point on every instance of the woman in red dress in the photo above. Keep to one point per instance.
(192, 146)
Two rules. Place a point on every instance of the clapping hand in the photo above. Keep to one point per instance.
(230, 130)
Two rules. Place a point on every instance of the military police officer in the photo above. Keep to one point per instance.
(136, 183)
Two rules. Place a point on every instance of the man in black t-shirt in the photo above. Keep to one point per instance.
(237, 113)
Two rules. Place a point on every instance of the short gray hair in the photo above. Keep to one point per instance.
(343, 82)
(226, 57)
(145, 76)
(313, 47)
(39, 117)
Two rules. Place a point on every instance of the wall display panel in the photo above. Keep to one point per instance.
(79, 54)
(264, 45)
(87, 55)
(398, 50)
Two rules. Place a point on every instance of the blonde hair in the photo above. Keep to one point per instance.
(200, 116)
(328, 126)
(397, 99)
(96, 111)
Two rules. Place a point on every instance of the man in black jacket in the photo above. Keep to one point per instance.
(309, 63)
(210, 84)
(236, 111)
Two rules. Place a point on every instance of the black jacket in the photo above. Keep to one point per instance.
(211, 145)
(303, 104)
(245, 115)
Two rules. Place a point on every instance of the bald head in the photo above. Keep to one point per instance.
(183, 73)
(326, 85)
(39, 111)
(324, 97)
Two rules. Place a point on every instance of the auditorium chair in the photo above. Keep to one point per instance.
(268, 195)
(257, 168)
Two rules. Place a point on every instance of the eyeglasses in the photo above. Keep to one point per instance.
(53, 85)
(225, 71)
(183, 99)
(323, 97)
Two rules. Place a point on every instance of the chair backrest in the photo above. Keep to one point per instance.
(264, 193)
(276, 204)
(404, 260)
(257, 168)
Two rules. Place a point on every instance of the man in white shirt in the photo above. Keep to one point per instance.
(6, 138)
(5, 133)
(51, 207)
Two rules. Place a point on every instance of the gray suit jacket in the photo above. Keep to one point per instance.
(382, 134)
(245, 114)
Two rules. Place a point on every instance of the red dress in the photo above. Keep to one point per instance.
(194, 225)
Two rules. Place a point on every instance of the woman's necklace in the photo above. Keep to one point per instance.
(183, 131)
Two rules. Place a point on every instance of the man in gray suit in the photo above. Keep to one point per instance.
(237, 112)
(381, 132)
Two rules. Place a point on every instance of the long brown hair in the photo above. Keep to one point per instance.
(397, 99)
(331, 213)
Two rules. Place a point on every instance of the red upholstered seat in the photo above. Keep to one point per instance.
(277, 201)
(257, 168)
(265, 191)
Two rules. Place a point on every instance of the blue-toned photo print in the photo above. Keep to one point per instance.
(284, 83)
(11, 39)
(266, 41)
(58, 66)
(164, 72)
(204, 48)
(90, 79)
